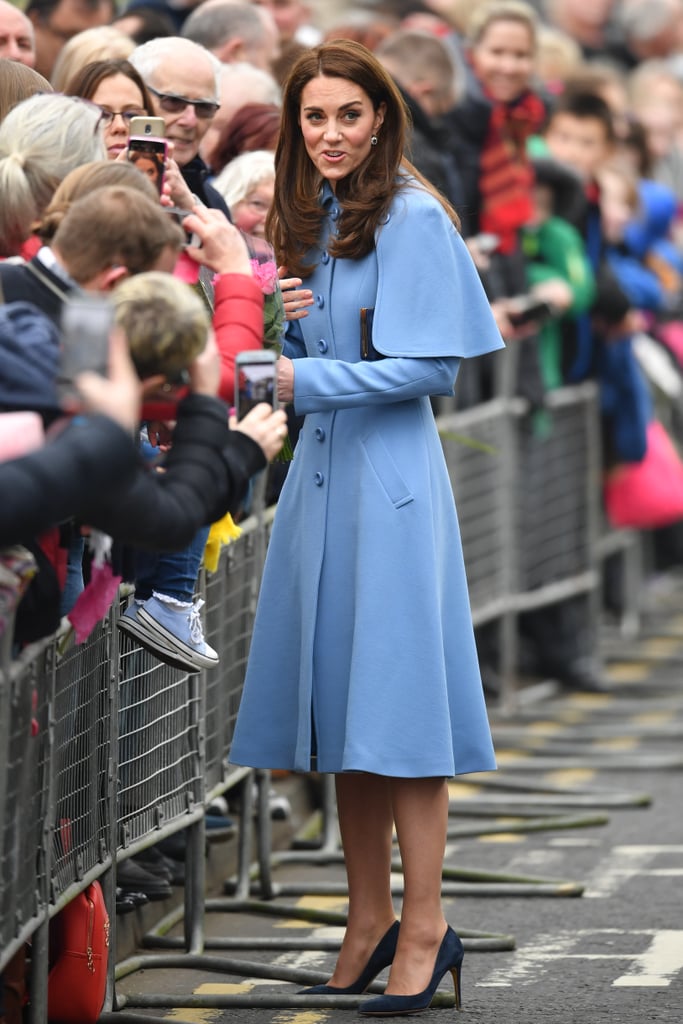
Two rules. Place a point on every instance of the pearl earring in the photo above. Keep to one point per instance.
(373, 140)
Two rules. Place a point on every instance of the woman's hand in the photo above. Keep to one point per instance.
(295, 298)
(285, 380)
(222, 246)
(265, 426)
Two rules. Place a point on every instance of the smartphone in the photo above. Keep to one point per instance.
(148, 127)
(531, 311)
(255, 380)
(86, 323)
(148, 149)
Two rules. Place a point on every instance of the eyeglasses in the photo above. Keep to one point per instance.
(173, 104)
(107, 116)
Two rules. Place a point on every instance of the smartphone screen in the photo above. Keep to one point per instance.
(254, 382)
(85, 326)
(149, 156)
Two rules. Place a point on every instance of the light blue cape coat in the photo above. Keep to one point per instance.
(363, 655)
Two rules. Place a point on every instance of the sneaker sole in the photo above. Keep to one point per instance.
(155, 646)
(194, 658)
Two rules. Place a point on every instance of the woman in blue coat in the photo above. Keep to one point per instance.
(363, 660)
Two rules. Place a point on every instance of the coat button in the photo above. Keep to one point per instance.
(319, 434)
(318, 479)
(322, 345)
(386, 218)
(325, 258)
(320, 301)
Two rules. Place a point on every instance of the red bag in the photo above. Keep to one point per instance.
(79, 952)
(647, 494)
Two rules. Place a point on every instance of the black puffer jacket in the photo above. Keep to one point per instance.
(206, 474)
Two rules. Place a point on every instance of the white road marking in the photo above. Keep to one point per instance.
(656, 966)
(624, 863)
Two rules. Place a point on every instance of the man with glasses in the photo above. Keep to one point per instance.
(182, 78)
(56, 21)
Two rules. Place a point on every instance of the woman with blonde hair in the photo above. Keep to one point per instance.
(85, 179)
(41, 140)
(102, 42)
(18, 82)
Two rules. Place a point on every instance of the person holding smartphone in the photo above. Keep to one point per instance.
(362, 661)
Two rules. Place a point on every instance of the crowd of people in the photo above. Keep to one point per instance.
(431, 179)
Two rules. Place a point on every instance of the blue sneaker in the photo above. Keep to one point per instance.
(180, 629)
(130, 624)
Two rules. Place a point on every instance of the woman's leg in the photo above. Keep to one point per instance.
(366, 825)
(420, 811)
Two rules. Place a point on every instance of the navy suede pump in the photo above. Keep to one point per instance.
(449, 958)
(381, 957)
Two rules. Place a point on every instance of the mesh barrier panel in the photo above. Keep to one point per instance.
(473, 447)
(23, 801)
(552, 537)
(80, 759)
(159, 776)
(230, 604)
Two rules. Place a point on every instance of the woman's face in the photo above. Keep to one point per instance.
(503, 60)
(118, 93)
(250, 213)
(337, 122)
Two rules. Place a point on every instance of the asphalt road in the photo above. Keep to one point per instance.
(564, 873)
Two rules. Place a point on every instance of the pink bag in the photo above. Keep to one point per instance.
(647, 494)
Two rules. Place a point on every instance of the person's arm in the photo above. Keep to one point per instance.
(237, 324)
(318, 385)
(92, 455)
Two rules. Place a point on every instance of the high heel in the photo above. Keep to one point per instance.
(449, 958)
(381, 957)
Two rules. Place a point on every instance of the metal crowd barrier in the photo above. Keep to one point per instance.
(104, 751)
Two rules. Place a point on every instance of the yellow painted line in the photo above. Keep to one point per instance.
(463, 790)
(660, 647)
(570, 776)
(313, 902)
(590, 700)
(503, 837)
(544, 727)
(210, 989)
(194, 1016)
(652, 718)
(504, 756)
(619, 743)
(628, 671)
(302, 1016)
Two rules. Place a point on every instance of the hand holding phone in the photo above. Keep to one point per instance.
(86, 324)
(255, 380)
(267, 427)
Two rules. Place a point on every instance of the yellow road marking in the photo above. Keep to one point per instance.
(570, 776)
(313, 902)
(628, 671)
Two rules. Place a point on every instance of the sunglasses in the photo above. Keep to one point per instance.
(173, 104)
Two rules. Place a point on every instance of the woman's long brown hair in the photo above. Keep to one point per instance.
(293, 225)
